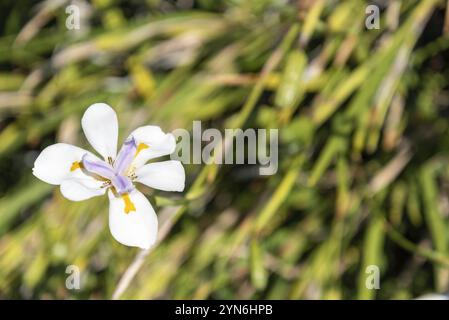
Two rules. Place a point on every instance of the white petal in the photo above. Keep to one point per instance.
(167, 175)
(100, 126)
(157, 142)
(77, 189)
(136, 228)
(54, 162)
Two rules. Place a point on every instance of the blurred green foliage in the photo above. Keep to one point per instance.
(363, 171)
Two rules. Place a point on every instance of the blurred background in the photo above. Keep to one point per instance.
(363, 125)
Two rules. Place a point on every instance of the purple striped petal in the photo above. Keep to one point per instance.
(122, 184)
(98, 167)
(125, 156)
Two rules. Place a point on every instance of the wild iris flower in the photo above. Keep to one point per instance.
(82, 175)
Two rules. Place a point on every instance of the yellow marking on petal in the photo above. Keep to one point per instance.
(140, 147)
(129, 206)
(76, 165)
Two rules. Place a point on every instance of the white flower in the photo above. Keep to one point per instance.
(82, 175)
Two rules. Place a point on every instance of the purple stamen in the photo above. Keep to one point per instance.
(125, 156)
(122, 184)
(98, 167)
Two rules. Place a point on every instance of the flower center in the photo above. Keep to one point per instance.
(117, 174)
